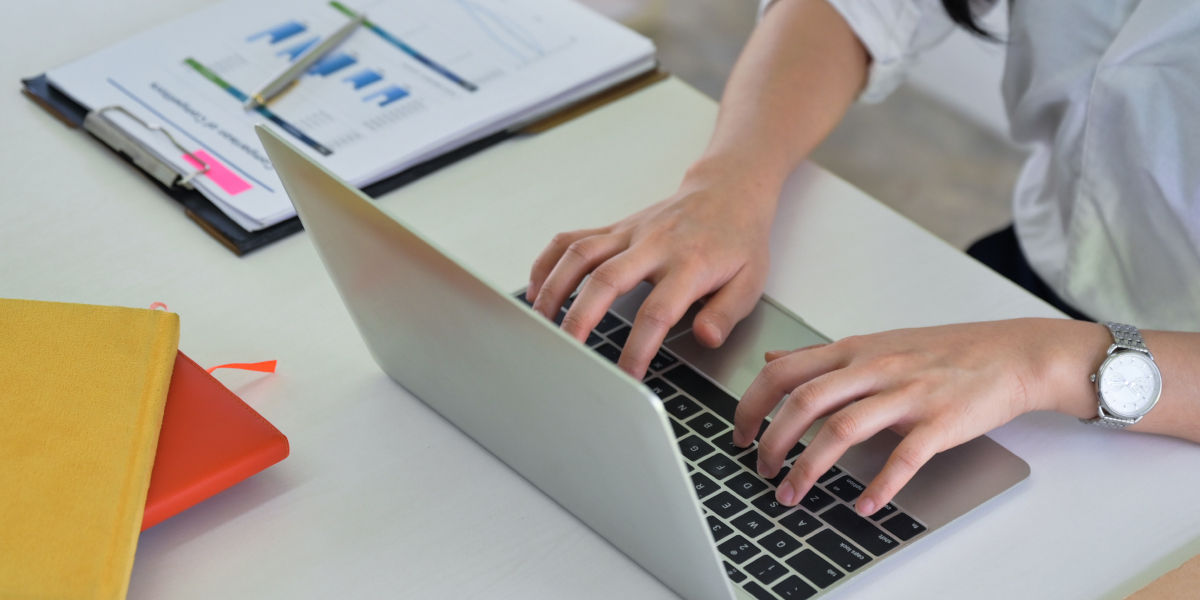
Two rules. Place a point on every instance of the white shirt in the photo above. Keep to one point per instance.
(1106, 93)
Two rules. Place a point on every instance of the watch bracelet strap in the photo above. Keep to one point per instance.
(1109, 422)
(1125, 337)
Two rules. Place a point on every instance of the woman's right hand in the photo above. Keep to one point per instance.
(710, 237)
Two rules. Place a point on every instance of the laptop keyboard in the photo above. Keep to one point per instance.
(769, 550)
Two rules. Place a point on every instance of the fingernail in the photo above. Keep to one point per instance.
(866, 507)
(786, 494)
(766, 473)
(720, 338)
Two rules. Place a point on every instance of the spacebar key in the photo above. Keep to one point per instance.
(703, 390)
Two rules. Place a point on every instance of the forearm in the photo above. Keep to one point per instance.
(1081, 348)
(799, 72)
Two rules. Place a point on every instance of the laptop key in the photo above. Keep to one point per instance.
(609, 351)
(846, 487)
(779, 543)
(558, 319)
(757, 591)
(694, 448)
(816, 499)
(619, 335)
(800, 522)
(859, 530)
(661, 361)
(778, 478)
(680, 407)
(795, 451)
(725, 505)
(733, 573)
(610, 322)
(703, 390)
(769, 505)
(761, 430)
(815, 568)
(660, 388)
(704, 486)
(738, 549)
(794, 588)
(752, 523)
(766, 569)
(884, 512)
(904, 526)
(747, 485)
(678, 428)
(724, 443)
(750, 459)
(833, 471)
(593, 340)
(720, 466)
(718, 529)
(836, 548)
(707, 425)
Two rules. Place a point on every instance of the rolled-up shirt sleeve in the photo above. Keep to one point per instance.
(894, 33)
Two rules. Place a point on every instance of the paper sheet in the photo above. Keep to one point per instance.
(421, 77)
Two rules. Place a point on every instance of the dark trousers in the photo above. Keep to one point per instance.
(1002, 253)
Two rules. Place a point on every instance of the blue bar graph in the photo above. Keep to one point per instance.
(390, 94)
(363, 78)
(280, 32)
(294, 52)
(331, 64)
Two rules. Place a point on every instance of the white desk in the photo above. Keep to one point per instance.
(381, 498)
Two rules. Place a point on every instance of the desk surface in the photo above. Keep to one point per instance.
(383, 498)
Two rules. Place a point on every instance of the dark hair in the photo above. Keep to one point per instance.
(960, 13)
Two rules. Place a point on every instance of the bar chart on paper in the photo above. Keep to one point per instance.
(383, 75)
(415, 79)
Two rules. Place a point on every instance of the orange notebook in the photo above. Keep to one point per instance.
(209, 441)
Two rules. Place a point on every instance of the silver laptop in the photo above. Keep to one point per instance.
(647, 465)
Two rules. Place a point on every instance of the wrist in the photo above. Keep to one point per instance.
(755, 181)
(1077, 349)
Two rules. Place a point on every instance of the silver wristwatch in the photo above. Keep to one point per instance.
(1128, 383)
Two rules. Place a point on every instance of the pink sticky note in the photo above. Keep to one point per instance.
(219, 173)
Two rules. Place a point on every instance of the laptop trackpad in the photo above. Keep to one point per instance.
(738, 361)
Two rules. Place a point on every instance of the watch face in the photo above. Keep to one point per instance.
(1129, 384)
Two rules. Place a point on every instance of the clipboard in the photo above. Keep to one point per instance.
(225, 230)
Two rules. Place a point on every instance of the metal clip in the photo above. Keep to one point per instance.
(102, 127)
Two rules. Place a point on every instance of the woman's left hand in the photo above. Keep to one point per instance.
(936, 386)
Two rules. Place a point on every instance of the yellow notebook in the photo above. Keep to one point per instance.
(82, 390)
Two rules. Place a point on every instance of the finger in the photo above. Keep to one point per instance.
(771, 355)
(550, 256)
(580, 257)
(660, 311)
(909, 456)
(728, 306)
(851, 425)
(777, 378)
(821, 396)
(615, 277)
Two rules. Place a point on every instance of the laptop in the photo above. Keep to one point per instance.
(648, 465)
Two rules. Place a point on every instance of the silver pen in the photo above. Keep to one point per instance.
(292, 73)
